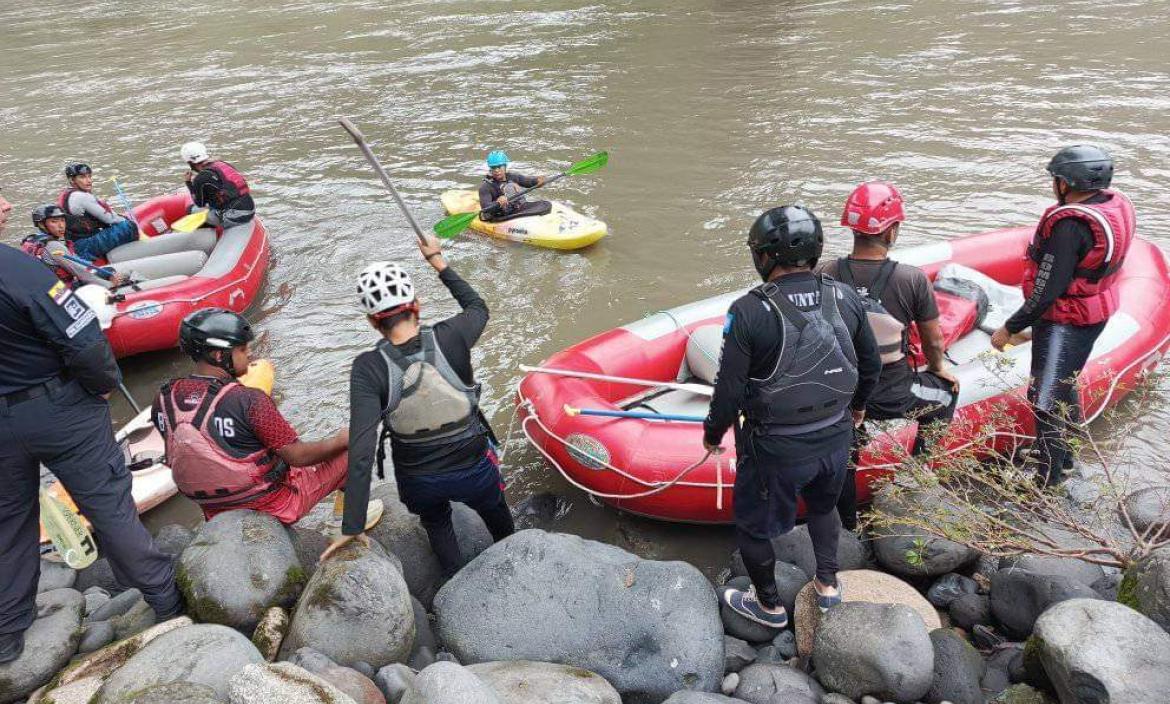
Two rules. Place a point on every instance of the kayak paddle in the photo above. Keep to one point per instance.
(190, 223)
(454, 224)
(569, 410)
(360, 140)
(700, 389)
(127, 206)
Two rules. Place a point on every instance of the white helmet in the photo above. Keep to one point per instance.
(194, 153)
(384, 286)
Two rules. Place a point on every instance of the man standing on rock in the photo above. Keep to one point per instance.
(799, 362)
(56, 372)
(1070, 293)
(418, 384)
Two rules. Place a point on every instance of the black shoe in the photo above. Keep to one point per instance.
(11, 646)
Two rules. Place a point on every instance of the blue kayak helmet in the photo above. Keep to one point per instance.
(497, 158)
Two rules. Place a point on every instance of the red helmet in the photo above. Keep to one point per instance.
(872, 207)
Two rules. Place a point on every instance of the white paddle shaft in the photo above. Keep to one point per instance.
(701, 389)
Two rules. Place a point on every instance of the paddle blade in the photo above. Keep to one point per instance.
(452, 225)
(588, 166)
(68, 534)
(190, 223)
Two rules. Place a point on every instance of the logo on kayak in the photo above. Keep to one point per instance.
(587, 451)
(144, 309)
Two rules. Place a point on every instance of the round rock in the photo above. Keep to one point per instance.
(768, 683)
(48, 644)
(401, 533)
(526, 682)
(958, 669)
(55, 575)
(448, 683)
(970, 610)
(1018, 597)
(877, 649)
(282, 682)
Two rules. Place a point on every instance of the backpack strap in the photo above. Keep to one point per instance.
(771, 293)
(214, 387)
(882, 279)
(845, 272)
(168, 403)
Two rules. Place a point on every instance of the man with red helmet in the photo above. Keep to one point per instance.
(895, 295)
(1070, 293)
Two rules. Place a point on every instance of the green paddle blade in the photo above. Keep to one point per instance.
(588, 166)
(452, 225)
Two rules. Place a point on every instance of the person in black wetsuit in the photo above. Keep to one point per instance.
(799, 362)
(499, 188)
(1070, 293)
(419, 384)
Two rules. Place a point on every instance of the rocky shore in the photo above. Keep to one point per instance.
(552, 618)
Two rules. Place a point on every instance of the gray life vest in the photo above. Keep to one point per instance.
(815, 375)
(428, 404)
(890, 333)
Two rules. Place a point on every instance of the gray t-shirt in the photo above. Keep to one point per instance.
(82, 202)
(908, 295)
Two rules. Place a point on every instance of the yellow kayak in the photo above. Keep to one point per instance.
(563, 228)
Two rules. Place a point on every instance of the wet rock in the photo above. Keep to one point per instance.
(908, 551)
(94, 601)
(1069, 567)
(448, 683)
(97, 634)
(539, 510)
(1146, 587)
(206, 654)
(740, 626)
(777, 684)
(795, 547)
(878, 649)
(688, 697)
(270, 632)
(650, 628)
(958, 669)
(48, 644)
(785, 644)
(401, 533)
(1149, 508)
(730, 682)
(790, 579)
(860, 586)
(525, 682)
(55, 575)
(239, 564)
(173, 539)
(117, 605)
(1019, 597)
(178, 693)
(356, 607)
(282, 682)
(949, 587)
(737, 654)
(393, 681)
(1102, 651)
(1022, 694)
(139, 617)
(970, 610)
(99, 574)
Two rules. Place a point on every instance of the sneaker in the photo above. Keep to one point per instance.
(11, 646)
(824, 603)
(374, 511)
(747, 605)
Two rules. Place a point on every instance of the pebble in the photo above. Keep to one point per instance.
(95, 601)
(730, 683)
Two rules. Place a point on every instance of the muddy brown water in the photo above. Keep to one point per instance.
(711, 112)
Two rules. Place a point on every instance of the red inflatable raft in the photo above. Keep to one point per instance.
(223, 268)
(635, 464)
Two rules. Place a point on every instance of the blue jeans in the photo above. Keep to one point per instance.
(480, 487)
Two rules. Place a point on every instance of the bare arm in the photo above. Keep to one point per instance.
(932, 344)
(301, 453)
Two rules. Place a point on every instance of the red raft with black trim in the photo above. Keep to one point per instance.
(635, 465)
(181, 273)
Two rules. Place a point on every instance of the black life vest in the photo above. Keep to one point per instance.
(80, 225)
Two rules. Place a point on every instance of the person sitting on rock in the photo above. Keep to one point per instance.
(500, 188)
(52, 246)
(217, 186)
(85, 213)
(228, 445)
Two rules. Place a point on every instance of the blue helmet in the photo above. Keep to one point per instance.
(497, 158)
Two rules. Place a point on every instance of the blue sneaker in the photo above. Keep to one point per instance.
(747, 605)
(824, 603)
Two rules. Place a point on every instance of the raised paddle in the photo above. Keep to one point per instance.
(360, 140)
(454, 224)
(127, 206)
(700, 389)
(190, 223)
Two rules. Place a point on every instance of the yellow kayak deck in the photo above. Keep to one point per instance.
(563, 228)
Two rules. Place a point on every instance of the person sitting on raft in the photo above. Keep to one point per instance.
(217, 186)
(51, 246)
(228, 445)
(85, 214)
(499, 188)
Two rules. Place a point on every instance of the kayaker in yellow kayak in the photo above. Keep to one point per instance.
(500, 188)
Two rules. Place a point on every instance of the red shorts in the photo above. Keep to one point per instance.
(300, 490)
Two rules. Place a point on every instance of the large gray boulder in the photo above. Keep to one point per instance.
(55, 575)
(1146, 587)
(355, 608)
(879, 649)
(1019, 597)
(207, 654)
(526, 682)
(795, 548)
(1102, 651)
(769, 683)
(649, 628)
(958, 670)
(909, 551)
(282, 682)
(1076, 570)
(401, 533)
(448, 683)
(48, 644)
(240, 564)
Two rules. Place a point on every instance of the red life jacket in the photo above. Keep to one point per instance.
(1092, 296)
(36, 246)
(233, 183)
(83, 224)
(203, 471)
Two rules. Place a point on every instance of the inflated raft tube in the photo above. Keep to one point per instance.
(561, 228)
(638, 465)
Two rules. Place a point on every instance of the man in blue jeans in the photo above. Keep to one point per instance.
(418, 384)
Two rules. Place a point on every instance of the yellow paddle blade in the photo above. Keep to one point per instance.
(65, 529)
(260, 375)
(191, 222)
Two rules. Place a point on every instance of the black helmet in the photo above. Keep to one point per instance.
(1083, 167)
(44, 212)
(77, 169)
(789, 235)
(207, 333)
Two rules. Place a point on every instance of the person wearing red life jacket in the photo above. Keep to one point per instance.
(85, 213)
(217, 186)
(1070, 293)
(228, 445)
(51, 244)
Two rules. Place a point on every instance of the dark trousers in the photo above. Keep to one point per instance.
(480, 487)
(766, 489)
(69, 431)
(1059, 353)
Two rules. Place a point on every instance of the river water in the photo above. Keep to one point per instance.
(711, 112)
